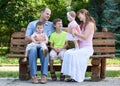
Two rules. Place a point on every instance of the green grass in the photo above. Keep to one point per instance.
(111, 61)
(8, 61)
(14, 61)
(114, 61)
(3, 50)
(14, 74)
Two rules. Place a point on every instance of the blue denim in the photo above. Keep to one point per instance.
(44, 62)
(33, 55)
(48, 28)
(33, 61)
(35, 52)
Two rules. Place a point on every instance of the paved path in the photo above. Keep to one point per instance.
(87, 82)
(16, 68)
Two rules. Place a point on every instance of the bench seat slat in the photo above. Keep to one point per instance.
(103, 56)
(15, 55)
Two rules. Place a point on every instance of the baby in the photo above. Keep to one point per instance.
(72, 26)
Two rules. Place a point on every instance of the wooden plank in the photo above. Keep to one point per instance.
(103, 68)
(103, 56)
(15, 55)
(103, 35)
(103, 42)
(104, 49)
(18, 35)
(18, 42)
(17, 49)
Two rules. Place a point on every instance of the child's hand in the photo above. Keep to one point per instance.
(70, 31)
(43, 39)
(74, 32)
(36, 42)
(58, 49)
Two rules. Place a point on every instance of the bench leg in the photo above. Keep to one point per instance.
(103, 68)
(95, 69)
(24, 73)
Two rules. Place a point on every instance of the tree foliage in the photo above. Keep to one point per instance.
(15, 14)
(111, 15)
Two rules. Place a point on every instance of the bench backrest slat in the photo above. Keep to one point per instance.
(103, 42)
(103, 35)
(104, 49)
(17, 49)
(18, 35)
(18, 42)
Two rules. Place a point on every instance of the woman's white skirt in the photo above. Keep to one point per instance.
(75, 62)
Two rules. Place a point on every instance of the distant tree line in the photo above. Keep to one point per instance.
(16, 14)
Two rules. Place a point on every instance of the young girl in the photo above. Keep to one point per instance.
(39, 39)
(71, 26)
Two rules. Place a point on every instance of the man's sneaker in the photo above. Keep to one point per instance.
(45, 52)
(35, 80)
(44, 79)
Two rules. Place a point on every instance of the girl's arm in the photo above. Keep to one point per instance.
(33, 39)
(46, 39)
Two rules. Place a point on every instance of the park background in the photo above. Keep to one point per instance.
(16, 14)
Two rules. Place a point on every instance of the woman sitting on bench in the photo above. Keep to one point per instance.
(75, 60)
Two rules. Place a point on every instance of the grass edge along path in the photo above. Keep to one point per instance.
(14, 74)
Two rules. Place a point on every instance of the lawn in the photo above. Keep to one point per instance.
(14, 74)
(13, 61)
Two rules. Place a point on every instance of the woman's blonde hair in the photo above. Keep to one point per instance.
(89, 18)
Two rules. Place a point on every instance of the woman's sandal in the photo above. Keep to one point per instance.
(70, 80)
(53, 76)
(62, 77)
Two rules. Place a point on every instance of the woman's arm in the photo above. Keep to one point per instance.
(87, 32)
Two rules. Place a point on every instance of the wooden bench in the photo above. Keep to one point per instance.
(104, 47)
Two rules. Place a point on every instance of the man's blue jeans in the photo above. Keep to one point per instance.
(33, 55)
